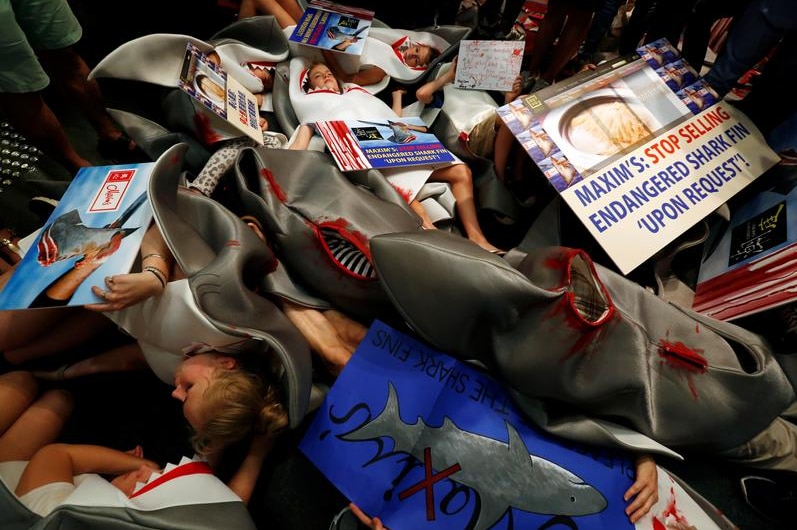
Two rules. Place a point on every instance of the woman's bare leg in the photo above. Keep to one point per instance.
(418, 208)
(32, 334)
(124, 358)
(461, 181)
(286, 12)
(34, 422)
(321, 335)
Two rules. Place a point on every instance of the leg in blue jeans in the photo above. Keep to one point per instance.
(698, 30)
(754, 35)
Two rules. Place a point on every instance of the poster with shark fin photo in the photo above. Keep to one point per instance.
(423, 441)
(95, 231)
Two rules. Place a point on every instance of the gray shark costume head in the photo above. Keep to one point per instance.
(224, 260)
(576, 342)
(320, 223)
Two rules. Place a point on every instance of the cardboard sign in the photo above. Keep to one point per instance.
(488, 64)
(753, 266)
(333, 27)
(424, 441)
(222, 95)
(382, 143)
(636, 152)
(95, 231)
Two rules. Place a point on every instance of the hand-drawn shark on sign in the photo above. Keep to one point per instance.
(503, 475)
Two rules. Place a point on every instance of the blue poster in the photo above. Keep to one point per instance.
(424, 441)
(95, 231)
(334, 27)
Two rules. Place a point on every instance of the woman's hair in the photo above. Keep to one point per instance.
(236, 404)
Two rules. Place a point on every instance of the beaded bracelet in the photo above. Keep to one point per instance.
(158, 274)
(153, 255)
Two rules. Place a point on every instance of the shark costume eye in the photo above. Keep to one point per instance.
(346, 253)
(572, 498)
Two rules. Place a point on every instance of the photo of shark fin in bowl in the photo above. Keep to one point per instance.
(599, 126)
(210, 88)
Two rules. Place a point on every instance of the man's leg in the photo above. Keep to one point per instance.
(33, 118)
(70, 73)
(22, 80)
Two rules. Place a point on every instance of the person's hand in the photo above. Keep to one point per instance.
(398, 94)
(371, 522)
(514, 93)
(452, 72)
(125, 290)
(644, 490)
(263, 123)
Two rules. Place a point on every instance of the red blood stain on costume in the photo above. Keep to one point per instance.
(405, 194)
(205, 130)
(680, 356)
(673, 511)
(273, 186)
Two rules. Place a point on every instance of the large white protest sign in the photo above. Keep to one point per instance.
(643, 201)
(639, 149)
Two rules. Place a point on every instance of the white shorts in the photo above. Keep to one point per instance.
(44, 499)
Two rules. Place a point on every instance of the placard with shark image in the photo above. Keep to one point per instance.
(424, 441)
(96, 231)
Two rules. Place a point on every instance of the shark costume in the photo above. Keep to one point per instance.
(158, 58)
(184, 496)
(580, 345)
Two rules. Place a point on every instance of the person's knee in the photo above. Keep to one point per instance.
(458, 174)
(58, 401)
(21, 381)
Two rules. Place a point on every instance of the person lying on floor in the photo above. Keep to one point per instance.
(43, 474)
(209, 369)
(474, 114)
(225, 151)
(333, 100)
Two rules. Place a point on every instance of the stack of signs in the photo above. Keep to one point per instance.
(638, 149)
(95, 232)
(202, 78)
(335, 27)
(424, 441)
(753, 266)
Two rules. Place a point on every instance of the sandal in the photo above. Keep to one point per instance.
(57, 375)
(121, 150)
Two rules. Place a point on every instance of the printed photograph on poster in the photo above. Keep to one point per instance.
(697, 96)
(203, 78)
(333, 27)
(95, 231)
(517, 116)
(658, 53)
(610, 116)
(677, 74)
(488, 64)
(381, 143)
